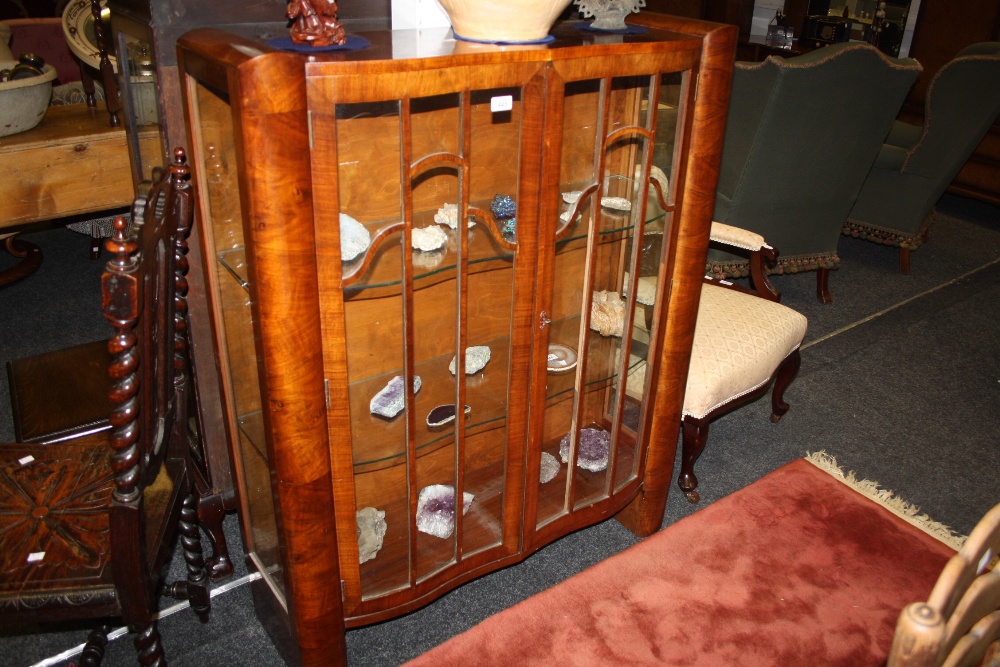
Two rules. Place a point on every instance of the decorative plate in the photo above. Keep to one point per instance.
(78, 27)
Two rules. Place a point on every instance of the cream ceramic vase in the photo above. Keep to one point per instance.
(503, 20)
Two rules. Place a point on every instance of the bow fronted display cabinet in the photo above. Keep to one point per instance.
(423, 261)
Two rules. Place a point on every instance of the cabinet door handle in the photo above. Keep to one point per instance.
(544, 320)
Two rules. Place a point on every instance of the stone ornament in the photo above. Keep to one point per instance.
(391, 400)
(354, 238)
(549, 469)
(428, 239)
(436, 509)
(371, 532)
(476, 358)
(607, 313)
(609, 14)
(592, 449)
(448, 215)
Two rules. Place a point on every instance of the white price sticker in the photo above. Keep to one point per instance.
(501, 103)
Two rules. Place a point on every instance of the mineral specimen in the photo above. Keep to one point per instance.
(427, 239)
(354, 238)
(504, 210)
(371, 532)
(572, 196)
(607, 313)
(550, 468)
(436, 509)
(444, 414)
(476, 357)
(617, 203)
(448, 215)
(390, 401)
(592, 449)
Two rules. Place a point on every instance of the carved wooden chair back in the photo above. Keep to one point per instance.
(87, 526)
(960, 622)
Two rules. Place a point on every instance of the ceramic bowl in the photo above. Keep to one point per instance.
(503, 20)
(23, 102)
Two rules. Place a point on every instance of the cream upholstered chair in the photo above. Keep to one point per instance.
(743, 340)
(960, 622)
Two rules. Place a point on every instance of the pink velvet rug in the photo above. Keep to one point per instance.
(797, 569)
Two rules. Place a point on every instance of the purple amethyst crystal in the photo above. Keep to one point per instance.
(436, 509)
(592, 449)
(392, 399)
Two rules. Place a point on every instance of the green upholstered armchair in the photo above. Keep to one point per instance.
(916, 164)
(801, 137)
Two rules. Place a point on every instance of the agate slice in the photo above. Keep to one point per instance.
(561, 359)
(391, 400)
(354, 238)
(444, 414)
(550, 468)
(371, 532)
(436, 509)
(592, 449)
(476, 358)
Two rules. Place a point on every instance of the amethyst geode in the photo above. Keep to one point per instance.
(592, 449)
(392, 399)
(436, 509)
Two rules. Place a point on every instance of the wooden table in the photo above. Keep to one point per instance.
(71, 163)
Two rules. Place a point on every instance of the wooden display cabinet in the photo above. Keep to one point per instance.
(307, 333)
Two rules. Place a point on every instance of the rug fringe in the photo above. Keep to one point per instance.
(901, 508)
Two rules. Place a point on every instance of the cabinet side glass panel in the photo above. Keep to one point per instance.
(217, 171)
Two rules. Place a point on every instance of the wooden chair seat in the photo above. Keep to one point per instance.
(61, 395)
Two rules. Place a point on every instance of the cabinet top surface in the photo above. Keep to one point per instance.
(424, 44)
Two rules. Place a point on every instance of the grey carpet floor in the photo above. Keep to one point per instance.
(900, 381)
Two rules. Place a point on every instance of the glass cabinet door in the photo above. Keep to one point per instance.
(425, 215)
(221, 220)
(605, 218)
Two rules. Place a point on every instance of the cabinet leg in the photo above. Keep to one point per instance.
(211, 512)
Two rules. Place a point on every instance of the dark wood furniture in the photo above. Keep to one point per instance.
(310, 325)
(154, 121)
(87, 526)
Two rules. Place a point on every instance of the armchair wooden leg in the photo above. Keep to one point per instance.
(695, 436)
(904, 261)
(823, 286)
(31, 259)
(786, 373)
(211, 512)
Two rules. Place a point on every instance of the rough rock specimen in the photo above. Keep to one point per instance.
(391, 400)
(371, 532)
(354, 238)
(436, 509)
(476, 358)
(572, 197)
(617, 203)
(448, 215)
(550, 468)
(592, 449)
(427, 239)
(607, 313)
